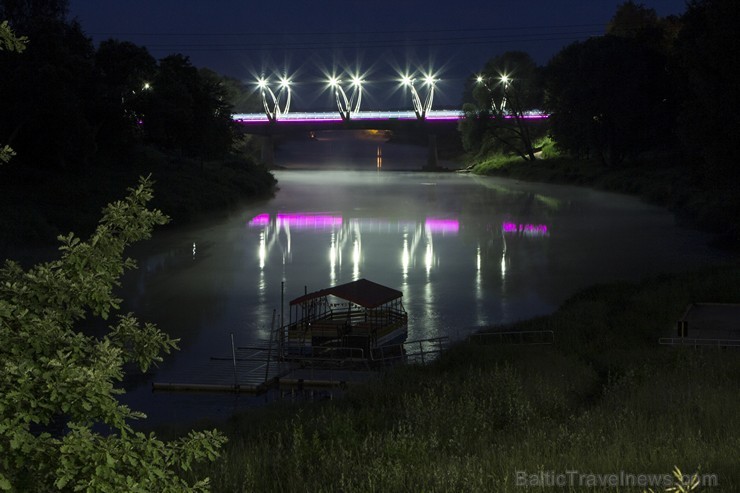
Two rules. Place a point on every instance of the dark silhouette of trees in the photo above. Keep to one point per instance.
(125, 73)
(609, 97)
(47, 93)
(188, 111)
(706, 52)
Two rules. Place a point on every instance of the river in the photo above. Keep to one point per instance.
(466, 252)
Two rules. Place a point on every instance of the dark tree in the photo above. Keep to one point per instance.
(507, 87)
(609, 97)
(47, 95)
(125, 73)
(707, 51)
(23, 15)
(188, 111)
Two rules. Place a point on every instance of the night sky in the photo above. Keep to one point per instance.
(379, 38)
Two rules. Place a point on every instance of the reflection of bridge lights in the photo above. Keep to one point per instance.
(429, 257)
(526, 229)
(405, 256)
(356, 257)
(262, 250)
(260, 220)
(309, 221)
(442, 225)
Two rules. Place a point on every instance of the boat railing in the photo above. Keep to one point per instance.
(420, 351)
(698, 342)
(525, 337)
(330, 355)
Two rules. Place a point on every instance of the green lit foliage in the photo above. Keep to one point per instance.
(9, 42)
(58, 384)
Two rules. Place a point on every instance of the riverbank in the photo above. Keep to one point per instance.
(40, 203)
(604, 399)
(669, 181)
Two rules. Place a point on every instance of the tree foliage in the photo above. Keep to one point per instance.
(508, 86)
(706, 52)
(58, 384)
(608, 97)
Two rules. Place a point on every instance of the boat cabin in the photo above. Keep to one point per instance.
(352, 320)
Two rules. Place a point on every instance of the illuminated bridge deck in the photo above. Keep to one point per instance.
(369, 116)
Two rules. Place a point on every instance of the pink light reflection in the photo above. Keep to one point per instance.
(298, 220)
(260, 220)
(442, 225)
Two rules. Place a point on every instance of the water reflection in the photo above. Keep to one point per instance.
(346, 235)
(463, 254)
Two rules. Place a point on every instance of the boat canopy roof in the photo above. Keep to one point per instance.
(362, 292)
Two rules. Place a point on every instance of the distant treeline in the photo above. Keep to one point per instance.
(658, 93)
(84, 121)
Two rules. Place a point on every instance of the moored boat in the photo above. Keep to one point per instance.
(359, 320)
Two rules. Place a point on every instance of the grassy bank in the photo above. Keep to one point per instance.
(605, 398)
(665, 180)
(40, 203)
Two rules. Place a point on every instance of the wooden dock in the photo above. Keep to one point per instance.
(257, 369)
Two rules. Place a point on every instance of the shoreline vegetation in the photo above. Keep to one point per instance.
(604, 399)
(665, 180)
(49, 202)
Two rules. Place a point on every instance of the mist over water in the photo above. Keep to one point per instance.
(466, 252)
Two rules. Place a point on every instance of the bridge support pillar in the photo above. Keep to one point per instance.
(267, 154)
(432, 158)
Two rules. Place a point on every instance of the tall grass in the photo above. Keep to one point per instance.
(604, 399)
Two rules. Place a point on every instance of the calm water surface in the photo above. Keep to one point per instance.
(466, 251)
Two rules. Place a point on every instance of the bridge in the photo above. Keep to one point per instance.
(277, 119)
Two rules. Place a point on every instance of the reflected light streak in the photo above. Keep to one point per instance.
(333, 259)
(429, 257)
(405, 256)
(356, 255)
(262, 251)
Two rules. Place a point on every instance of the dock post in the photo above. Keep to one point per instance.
(269, 348)
(233, 359)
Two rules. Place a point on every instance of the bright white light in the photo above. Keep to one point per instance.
(146, 86)
(505, 79)
(333, 81)
(406, 80)
(429, 80)
(262, 252)
(261, 83)
(356, 81)
(284, 82)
